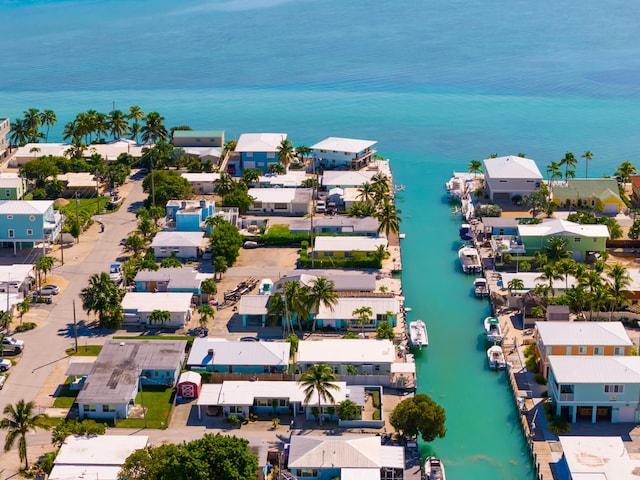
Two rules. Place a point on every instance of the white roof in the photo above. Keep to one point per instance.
(403, 367)
(10, 180)
(595, 369)
(44, 149)
(273, 195)
(293, 178)
(148, 302)
(245, 392)
(79, 179)
(345, 306)
(16, 272)
(346, 177)
(99, 450)
(238, 353)
(25, 207)
(203, 151)
(511, 167)
(178, 239)
(347, 350)
(113, 149)
(260, 142)
(189, 376)
(359, 474)
(253, 304)
(348, 243)
(338, 144)
(598, 458)
(563, 228)
(200, 177)
(75, 472)
(583, 333)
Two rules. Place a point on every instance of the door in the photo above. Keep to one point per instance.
(188, 390)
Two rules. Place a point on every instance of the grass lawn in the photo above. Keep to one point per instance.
(158, 402)
(66, 397)
(52, 422)
(88, 205)
(84, 351)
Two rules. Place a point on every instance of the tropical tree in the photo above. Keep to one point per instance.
(220, 265)
(276, 169)
(134, 243)
(322, 292)
(569, 162)
(587, 155)
(381, 187)
(361, 209)
(363, 315)
(556, 248)
(625, 171)
(172, 261)
(366, 193)
(319, 379)
(33, 122)
(549, 273)
(385, 331)
(48, 119)
(136, 114)
(154, 129)
(348, 410)
(553, 172)
(566, 267)
(296, 303)
(23, 308)
(515, 284)
(74, 427)
(251, 175)
(286, 153)
(224, 185)
(277, 308)
(475, 167)
(117, 124)
(207, 312)
(159, 317)
(380, 254)
(209, 287)
(226, 242)
(102, 296)
(19, 135)
(634, 230)
(19, 420)
(419, 415)
(388, 219)
(618, 282)
(536, 202)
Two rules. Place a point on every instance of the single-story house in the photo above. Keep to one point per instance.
(83, 184)
(336, 152)
(594, 193)
(220, 355)
(291, 179)
(596, 457)
(16, 279)
(278, 397)
(259, 150)
(583, 239)
(350, 197)
(580, 339)
(253, 309)
(354, 246)
(595, 387)
(201, 183)
(506, 177)
(284, 201)
(197, 138)
(347, 457)
(189, 385)
(12, 186)
(337, 224)
(110, 150)
(384, 308)
(342, 282)
(184, 279)
(368, 356)
(95, 456)
(36, 150)
(138, 306)
(345, 179)
(111, 385)
(183, 244)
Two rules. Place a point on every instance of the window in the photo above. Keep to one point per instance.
(306, 472)
(582, 350)
(271, 154)
(614, 388)
(90, 408)
(284, 402)
(502, 181)
(11, 233)
(618, 351)
(257, 204)
(547, 350)
(7, 193)
(32, 218)
(235, 409)
(598, 350)
(280, 206)
(568, 350)
(576, 239)
(29, 231)
(249, 154)
(328, 254)
(155, 373)
(108, 408)
(593, 203)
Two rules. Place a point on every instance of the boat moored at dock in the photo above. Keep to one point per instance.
(480, 287)
(493, 329)
(418, 334)
(495, 355)
(434, 469)
(469, 259)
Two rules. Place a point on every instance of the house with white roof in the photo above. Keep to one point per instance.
(259, 150)
(82, 183)
(95, 456)
(291, 179)
(506, 177)
(184, 279)
(36, 150)
(109, 151)
(605, 388)
(12, 186)
(183, 244)
(337, 224)
(580, 339)
(583, 239)
(16, 279)
(384, 308)
(192, 215)
(347, 457)
(336, 152)
(283, 201)
(353, 246)
(597, 458)
(345, 178)
(26, 223)
(201, 182)
(224, 356)
(368, 356)
(138, 306)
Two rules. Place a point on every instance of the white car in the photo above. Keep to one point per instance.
(5, 365)
(48, 290)
(12, 344)
(321, 206)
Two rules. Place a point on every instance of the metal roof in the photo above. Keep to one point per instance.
(197, 133)
(344, 350)
(345, 307)
(260, 142)
(511, 167)
(596, 369)
(563, 228)
(338, 144)
(583, 333)
(281, 195)
(178, 239)
(148, 302)
(99, 449)
(238, 353)
(25, 207)
(348, 243)
(346, 177)
(253, 304)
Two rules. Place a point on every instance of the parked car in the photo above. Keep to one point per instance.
(250, 244)
(321, 206)
(13, 345)
(48, 290)
(3, 378)
(5, 365)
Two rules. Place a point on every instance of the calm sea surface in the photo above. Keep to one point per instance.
(437, 83)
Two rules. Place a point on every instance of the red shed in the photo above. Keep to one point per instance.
(189, 385)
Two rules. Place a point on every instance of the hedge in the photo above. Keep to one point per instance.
(368, 262)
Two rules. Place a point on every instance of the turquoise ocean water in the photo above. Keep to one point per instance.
(437, 83)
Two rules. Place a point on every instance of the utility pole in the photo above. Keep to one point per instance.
(62, 242)
(77, 217)
(153, 183)
(75, 326)
(144, 413)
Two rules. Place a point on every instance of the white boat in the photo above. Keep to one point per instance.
(480, 287)
(493, 330)
(496, 358)
(469, 259)
(434, 469)
(418, 334)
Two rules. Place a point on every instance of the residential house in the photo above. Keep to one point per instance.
(367, 356)
(36, 150)
(277, 397)
(384, 308)
(16, 278)
(580, 339)
(111, 386)
(336, 224)
(597, 457)
(506, 177)
(345, 179)
(95, 456)
(5, 128)
(202, 183)
(191, 215)
(12, 186)
(335, 153)
(583, 239)
(83, 184)
(254, 309)
(354, 246)
(184, 279)
(138, 306)
(499, 226)
(342, 282)
(26, 223)
(605, 388)
(347, 457)
(291, 179)
(601, 194)
(183, 244)
(259, 150)
(109, 151)
(224, 356)
(198, 138)
(283, 201)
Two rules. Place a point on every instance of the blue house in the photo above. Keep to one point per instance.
(191, 215)
(336, 153)
(220, 355)
(184, 279)
(259, 150)
(28, 223)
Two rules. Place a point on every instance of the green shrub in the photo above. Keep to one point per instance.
(233, 419)
(46, 463)
(532, 365)
(540, 380)
(559, 425)
(304, 244)
(279, 235)
(350, 335)
(366, 262)
(25, 326)
(376, 415)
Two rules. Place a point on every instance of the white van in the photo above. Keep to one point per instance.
(321, 206)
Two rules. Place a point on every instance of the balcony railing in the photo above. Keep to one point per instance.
(566, 397)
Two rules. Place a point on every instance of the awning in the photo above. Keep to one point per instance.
(209, 394)
(79, 369)
(403, 368)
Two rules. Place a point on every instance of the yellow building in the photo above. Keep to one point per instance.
(589, 193)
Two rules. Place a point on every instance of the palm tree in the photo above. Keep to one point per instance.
(381, 187)
(286, 153)
(154, 128)
(101, 125)
(136, 114)
(23, 308)
(48, 119)
(20, 420)
(322, 292)
(549, 274)
(388, 219)
(553, 172)
(220, 265)
(319, 380)
(556, 248)
(32, 122)
(276, 307)
(103, 297)
(364, 315)
(225, 184)
(588, 155)
(117, 124)
(207, 312)
(475, 167)
(296, 301)
(515, 284)
(569, 161)
(565, 266)
(361, 209)
(159, 317)
(619, 281)
(71, 132)
(625, 170)
(19, 135)
(366, 193)
(380, 254)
